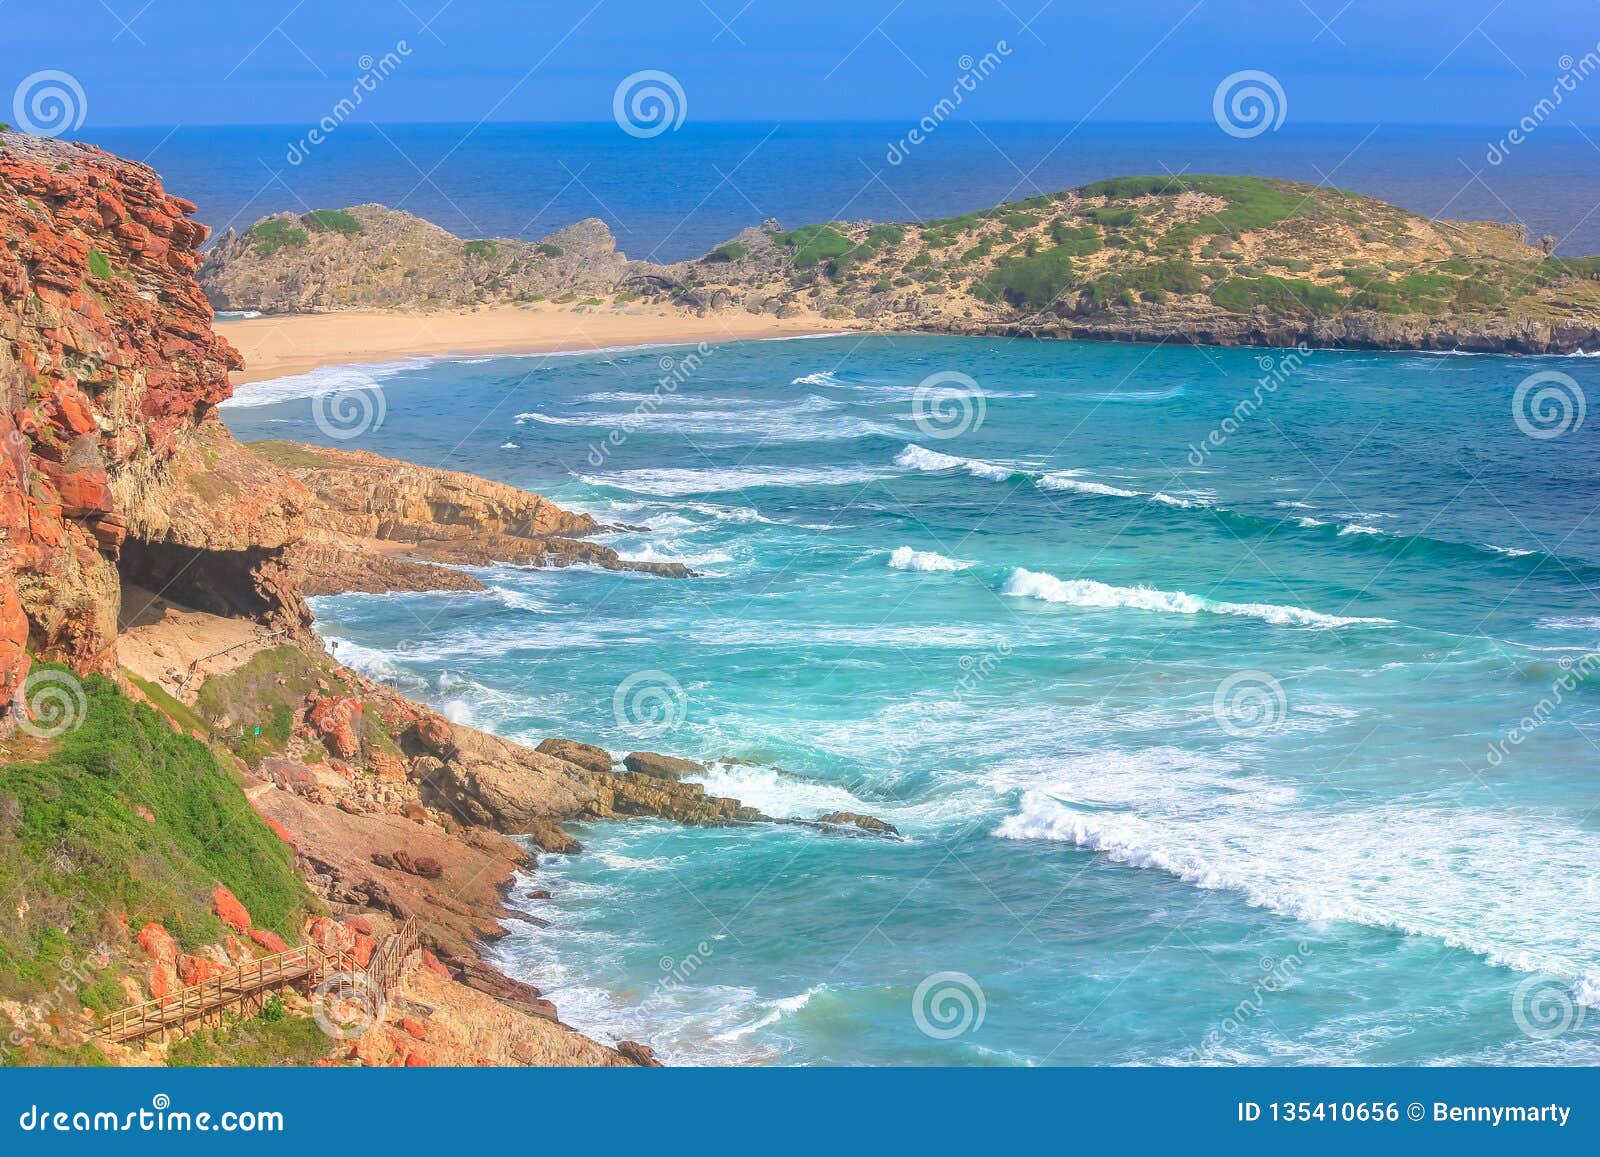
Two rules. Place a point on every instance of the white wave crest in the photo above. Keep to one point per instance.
(904, 558)
(915, 457)
(673, 482)
(1484, 879)
(1089, 593)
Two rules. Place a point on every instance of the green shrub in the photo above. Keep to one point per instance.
(100, 265)
(1077, 240)
(1031, 282)
(1279, 294)
(271, 236)
(1114, 216)
(545, 247)
(331, 221)
(880, 236)
(731, 251)
(487, 250)
(815, 243)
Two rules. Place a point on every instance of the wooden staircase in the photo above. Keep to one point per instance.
(245, 989)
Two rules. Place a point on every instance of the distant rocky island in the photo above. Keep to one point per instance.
(1218, 260)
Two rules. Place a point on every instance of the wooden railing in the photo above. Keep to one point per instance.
(246, 987)
(388, 963)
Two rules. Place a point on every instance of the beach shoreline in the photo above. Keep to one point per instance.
(276, 346)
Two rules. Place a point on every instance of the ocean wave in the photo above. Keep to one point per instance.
(1569, 623)
(777, 792)
(315, 383)
(673, 482)
(1487, 880)
(915, 457)
(1169, 394)
(824, 378)
(1065, 480)
(904, 558)
(1089, 593)
(775, 1011)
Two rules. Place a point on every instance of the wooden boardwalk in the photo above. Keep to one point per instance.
(245, 989)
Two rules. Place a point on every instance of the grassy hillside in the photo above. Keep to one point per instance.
(1208, 244)
(120, 821)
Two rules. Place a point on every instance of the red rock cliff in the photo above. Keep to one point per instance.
(110, 375)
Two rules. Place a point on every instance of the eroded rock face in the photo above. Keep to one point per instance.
(393, 260)
(109, 371)
(375, 525)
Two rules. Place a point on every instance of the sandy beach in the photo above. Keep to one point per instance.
(295, 344)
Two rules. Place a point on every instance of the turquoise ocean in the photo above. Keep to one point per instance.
(1213, 735)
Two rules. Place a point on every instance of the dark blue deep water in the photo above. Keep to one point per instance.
(679, 194)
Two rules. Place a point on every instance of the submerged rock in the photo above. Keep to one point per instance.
(866, 823)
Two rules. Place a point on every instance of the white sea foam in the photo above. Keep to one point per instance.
(778, 793)
(1089, 593)
(1065, 480)
(674, 482)
(1490, 880)
(915, 457)
(823, 378)
(1357, 528)
(509, 446)
(1569, 623)
(325, 380)
(775, 1011)
(904, 558)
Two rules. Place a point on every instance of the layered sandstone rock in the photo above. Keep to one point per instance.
(375, 525)
(109, 371)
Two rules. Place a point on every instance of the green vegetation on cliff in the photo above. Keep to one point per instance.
(331, 221)
(272, 235)
(119, 821)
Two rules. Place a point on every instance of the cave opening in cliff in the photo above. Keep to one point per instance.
(220, 582)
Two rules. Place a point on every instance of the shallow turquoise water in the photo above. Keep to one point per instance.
(1194, 754)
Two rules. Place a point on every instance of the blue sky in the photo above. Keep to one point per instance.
(166, 62)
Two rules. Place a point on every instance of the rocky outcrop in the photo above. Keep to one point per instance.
(660, 766)
(373, 257)
(1216, 260)
(373, 524)
(584, 755)
(110, 374)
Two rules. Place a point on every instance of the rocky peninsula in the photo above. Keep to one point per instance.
(233, 790)
(1215, 260)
